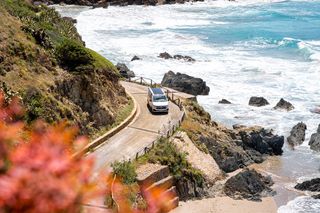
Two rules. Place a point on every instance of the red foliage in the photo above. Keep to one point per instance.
(39, 172)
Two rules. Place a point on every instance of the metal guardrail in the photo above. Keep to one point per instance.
(168, 129)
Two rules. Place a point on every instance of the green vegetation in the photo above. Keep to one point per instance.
(126, 171)
(58, 35)
(167, 154)
(101, 62)
(73, 56)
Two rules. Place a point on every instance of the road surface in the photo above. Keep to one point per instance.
(145, 128)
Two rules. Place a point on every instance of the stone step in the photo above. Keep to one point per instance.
(165, 183)
(170, 192)
(174, 203)
(151, 173)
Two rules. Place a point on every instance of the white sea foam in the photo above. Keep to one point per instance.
(235, 70)
(301, 205)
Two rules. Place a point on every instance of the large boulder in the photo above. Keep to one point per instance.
(297, 134)
(310, 185)
(185, 83)
(165, 55)
(263, 141)
(258, 101)
(284, 105)
(248, 184)
(244, 147)
(124, 71)
(314, 142)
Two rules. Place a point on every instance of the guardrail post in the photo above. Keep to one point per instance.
(145, 150)
(137, 155)
(151, 82)
(140, 80)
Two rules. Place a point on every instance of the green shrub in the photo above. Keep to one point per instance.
(73, 55)
(126, 171)
(167, 154)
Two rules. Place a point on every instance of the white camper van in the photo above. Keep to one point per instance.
(157, 100)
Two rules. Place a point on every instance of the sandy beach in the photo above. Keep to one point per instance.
(227, 205)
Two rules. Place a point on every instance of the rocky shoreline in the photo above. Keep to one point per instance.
(106, 3)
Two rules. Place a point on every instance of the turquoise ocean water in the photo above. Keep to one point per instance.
(242, 49)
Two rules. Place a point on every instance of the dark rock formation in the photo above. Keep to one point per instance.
(124, 71)
(182, 57)
(224, 101)
(1, 59)
(310, 185)
(284, 105)
(258, 101)
(316, 196)
(106, 3)
(248, 184)
(165, 55)
(314, 142)
(135, 58)
(185, 83)
(264, 142)
(188, 189)
(246, 146)
(93, 92)
(297, 134)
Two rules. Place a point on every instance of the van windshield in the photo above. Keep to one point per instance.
(159, 98)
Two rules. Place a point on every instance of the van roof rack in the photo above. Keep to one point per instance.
(157, 91)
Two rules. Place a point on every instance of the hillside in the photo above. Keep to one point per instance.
(44, 61)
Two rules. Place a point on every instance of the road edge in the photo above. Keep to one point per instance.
(95, 143)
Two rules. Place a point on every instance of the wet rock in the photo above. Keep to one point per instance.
(124, 71)
(228, 155)
(182, 57)
(258, 101)
(165, 55)
(263, 142)
(185, 83)
(297, 134)
(135, 58)
(314, 142)
(248, 184)
(316, 196)
(310, 185)
(284, 105)
(224, 101)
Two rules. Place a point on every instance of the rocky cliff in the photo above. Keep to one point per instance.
(231, 148)
(44, 61)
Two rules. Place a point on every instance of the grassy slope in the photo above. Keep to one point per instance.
(29, 66)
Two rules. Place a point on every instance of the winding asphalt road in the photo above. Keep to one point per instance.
(145, 128)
